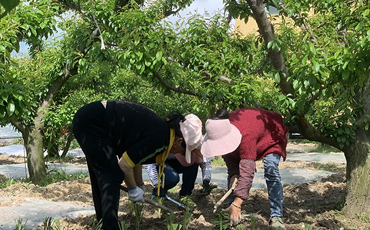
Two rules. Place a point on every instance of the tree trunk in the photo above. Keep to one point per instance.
(358, 161)
(358, 180)
(35, 154)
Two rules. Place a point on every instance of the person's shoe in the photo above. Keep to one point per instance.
(277, 223)
(208, 188)
(188, 202)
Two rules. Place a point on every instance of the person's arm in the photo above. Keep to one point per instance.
(232, 164)
(135, 193)
(138, 174)
(247, 168)
(129, 173)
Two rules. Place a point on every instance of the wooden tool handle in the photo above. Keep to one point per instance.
(223, 198)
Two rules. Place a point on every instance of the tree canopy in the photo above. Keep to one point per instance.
(313, 67)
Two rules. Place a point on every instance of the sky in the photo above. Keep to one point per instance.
(198, 6)
(202, 6)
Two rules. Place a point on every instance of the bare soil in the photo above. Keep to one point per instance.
(315, 205)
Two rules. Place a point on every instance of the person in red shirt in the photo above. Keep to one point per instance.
(243, 137)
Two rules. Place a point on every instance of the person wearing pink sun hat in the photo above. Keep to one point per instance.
(241, 138)
(185, 164)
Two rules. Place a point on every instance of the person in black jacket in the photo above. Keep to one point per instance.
(117, 137)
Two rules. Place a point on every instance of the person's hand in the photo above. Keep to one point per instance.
(235, 214)
(136, 194)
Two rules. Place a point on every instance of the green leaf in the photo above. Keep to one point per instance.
(142, 69)
(312, 80)
(140, 55)
(277, 77)
(164, 61)
(9, 4)
(304, 60)
(34, 32)
(10, 108)
(159, 55)
(148, 63)
(316, 66)
(312, 48)
(269, 45)
(295, 84)
(366, 13)
(345, 74)
(127, 53)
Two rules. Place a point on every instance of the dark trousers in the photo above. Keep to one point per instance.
(172, 171)
(105, 173)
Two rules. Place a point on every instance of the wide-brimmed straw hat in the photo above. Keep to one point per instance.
(221, 138)
(191, 130)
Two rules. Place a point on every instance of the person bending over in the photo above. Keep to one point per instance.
(117, 137)
(243, 137)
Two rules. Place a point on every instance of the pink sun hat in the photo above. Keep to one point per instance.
(191, 130)
(221, 138)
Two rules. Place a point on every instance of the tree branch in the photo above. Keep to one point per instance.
(18, 125)
(172, 12)
(168, 86)
(268, 35)
(312, 133)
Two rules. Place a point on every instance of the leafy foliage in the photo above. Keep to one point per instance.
(8, 6)
(327, 64)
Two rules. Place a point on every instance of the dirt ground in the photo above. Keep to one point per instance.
(307, 206)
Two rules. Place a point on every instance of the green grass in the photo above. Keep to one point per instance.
(65, 159)
(7, 183)
(319, 147)
(17, 141)
(299, 141)
(52, 176)
(218, 161)
(363, 217)
(20, 224)
(324, 148)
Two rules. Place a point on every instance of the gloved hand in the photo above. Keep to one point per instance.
(136, 194)
(142, 187)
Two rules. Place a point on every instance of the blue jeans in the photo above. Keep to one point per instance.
(274, 185)
(273, 182)
(172, 170)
